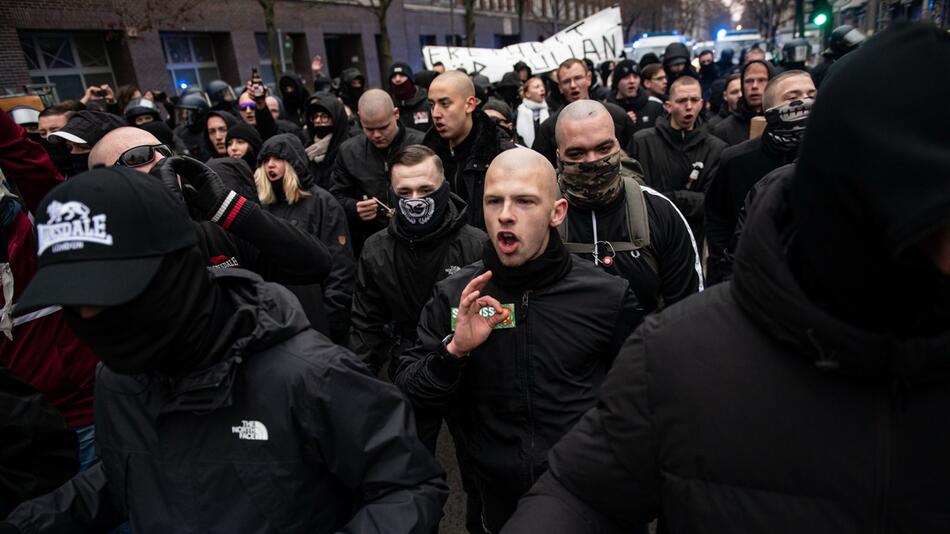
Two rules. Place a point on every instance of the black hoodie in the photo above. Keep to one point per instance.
(295, 102)
(332, 105)
(349, 94)
(734, 129)
(229, 119)
(321, 216)
(647, 111)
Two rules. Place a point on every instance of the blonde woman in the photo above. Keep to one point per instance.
(533, 109)
(286, 189)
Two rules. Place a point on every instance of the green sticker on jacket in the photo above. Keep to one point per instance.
(488, 311)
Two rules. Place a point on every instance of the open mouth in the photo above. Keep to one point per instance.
(507, 242)
(272, 176)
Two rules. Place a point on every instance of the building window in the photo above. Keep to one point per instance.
(70, 61)
(189, 59)
(428, 40)
(263, 54)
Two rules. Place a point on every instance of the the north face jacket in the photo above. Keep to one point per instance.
(320, 215)
(527, 385)
(287, 433)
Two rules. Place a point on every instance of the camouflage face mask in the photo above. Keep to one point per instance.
(593, 184)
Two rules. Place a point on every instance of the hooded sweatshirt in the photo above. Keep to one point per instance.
(734, 129)
(229, 119)
(319, 214)
(349, 94)
(248, 133)
(340, 130)
(295, 102)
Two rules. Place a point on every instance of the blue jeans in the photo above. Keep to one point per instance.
(88, 458)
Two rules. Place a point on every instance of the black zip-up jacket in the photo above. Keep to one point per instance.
(466, 164)
(648, 111)
(522, 389)
(263, 441)
(750, 408)
(546, 145)
(740, 168)
(414, 111)
(362, 169)
(667, 156)
(671, 245)
(320, 215)
(395, 278)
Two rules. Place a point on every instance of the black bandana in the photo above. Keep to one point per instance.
(419, 217)
(552, 265)
(785, 124)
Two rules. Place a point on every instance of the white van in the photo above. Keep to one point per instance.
(739, 42)
(656, 43)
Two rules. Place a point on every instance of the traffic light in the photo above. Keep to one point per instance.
(820, 12)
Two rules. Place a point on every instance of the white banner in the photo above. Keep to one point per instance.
(599, 38)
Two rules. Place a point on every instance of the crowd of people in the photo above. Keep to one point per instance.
(677, 289)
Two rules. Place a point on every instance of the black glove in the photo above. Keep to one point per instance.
(164, 172)
(205, 191)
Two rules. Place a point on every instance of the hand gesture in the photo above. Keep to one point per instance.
(317, 64)
(471, 327)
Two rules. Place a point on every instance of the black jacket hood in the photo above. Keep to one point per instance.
(454, 219)
(768, 66)
(332, 105)
(229, 119)
(288, 148)
(293, 102)
(871, 183)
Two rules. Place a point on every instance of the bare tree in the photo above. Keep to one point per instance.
(469, 22)
(768, 15)
(634, 12)
(134, 18)
(273, 40)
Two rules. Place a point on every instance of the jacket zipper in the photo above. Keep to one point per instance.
(528, 381)
(458, 169)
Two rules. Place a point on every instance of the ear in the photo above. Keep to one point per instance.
(590, 77)
(396, 113)
(667, 106)
(559, 213)
(470, 104)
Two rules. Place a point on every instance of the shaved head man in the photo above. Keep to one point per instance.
(360, 176)
(585, 132)
(119, 144)
(452, 100)
(521, 205)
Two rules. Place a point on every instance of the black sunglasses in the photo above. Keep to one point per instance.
(140, 155)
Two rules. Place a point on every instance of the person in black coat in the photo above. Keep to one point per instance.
(788, 101)
(327, 128)
(635, 100)
(217, 124)
(409, 98)
(360, 176)
(294, 94)
(286, 189)
(244, 142)
(680, 158)
(801, 395)
(734, 129)
(676, 63)
(516, 345)
(217, 407)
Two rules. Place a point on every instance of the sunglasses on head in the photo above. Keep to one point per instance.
(247, 105)
(140, 155)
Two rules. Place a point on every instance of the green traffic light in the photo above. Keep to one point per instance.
(821, 19)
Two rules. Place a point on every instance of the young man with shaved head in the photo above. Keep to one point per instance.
(616, 224)
(517, 344)
(788, 100)
(464, 138)
(680, 158)
(360, 175)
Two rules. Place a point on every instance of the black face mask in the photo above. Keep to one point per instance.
(421, 216)
(79, 162)
(59, 153)
(167, 329)
(322, 131)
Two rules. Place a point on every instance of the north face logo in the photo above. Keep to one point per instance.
(70, 227)
(252, 430)
(452, 270)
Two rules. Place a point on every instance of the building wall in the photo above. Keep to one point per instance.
(138, 58)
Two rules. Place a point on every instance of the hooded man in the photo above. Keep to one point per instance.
(501, 342)
(411, 100)
(352, 85)
(680, 158)
(635, 100)
(327, 128)
(211, 372)
(788, 100)
(294, 95)
(218, 123)
(802, 395)
(360, 176)
(708, 73)
(734, 129)
(676, 62)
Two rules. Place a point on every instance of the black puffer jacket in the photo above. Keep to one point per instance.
(668, 158)
(546, 144)
(648, 111)
(395, 279)
(414, 111)
(295, 102)
(251, 443)
(522, 389)
(321, 169)
(321, 216)
(466, 164)
(362, 169)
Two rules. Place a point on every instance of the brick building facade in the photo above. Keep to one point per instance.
(76, 43)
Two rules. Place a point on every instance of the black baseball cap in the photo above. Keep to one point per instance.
(101, 238)
(88, 127)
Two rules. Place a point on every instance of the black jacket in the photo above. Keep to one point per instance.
(769, 415)
(321, 170)
(734, 129)
(740, 168)
(466, 164)
(362, 169)
(295, 102)
(671, 245)
(414, 111)
(648, 111)
(395, 279)
(265, 440)
(522, 389)
(321, 216)
(267, 127)
(667, 156)
(192, 143)
(546, 144)
(38, 451)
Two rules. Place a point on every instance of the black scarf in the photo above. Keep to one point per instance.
(169, 329)
(552, 265)
(419, 217)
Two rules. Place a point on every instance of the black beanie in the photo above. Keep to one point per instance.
(622, 70)
(245, 131)
(399, 68)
